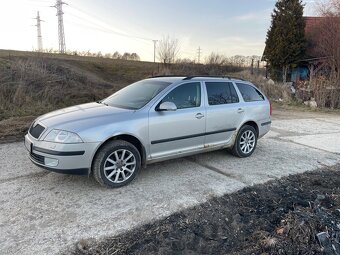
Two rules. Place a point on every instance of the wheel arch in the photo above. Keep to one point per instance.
(128, 138)
(252, 124)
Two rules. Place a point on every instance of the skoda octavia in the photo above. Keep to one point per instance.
(149, 121)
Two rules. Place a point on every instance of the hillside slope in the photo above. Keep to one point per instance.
(32, 84)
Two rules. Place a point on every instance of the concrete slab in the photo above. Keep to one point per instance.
(326, 142)
(272, 159)
(307, 126)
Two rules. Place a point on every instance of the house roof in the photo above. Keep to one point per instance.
(312, 24)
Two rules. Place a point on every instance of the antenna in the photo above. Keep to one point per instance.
(39, 37)
(61, 35)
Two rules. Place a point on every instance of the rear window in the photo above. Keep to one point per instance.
(221, 93)
(249, 93)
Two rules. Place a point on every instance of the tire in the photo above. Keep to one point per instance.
(114, 161)
(246, 135)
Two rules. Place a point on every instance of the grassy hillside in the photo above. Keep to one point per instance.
(33, 83)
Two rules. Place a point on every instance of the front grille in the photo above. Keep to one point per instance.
(36, 130)
(38, 158)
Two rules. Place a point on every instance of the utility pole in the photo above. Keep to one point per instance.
(199, 51)
(154, 50)
(61, 35)
(39, 37)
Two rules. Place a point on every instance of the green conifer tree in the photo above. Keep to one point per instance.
(285, 43)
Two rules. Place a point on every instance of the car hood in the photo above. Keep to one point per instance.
(80, 117)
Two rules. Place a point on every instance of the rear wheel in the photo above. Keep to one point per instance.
(246, 141)
(116, 164)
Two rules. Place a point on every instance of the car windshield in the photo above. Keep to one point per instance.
(136, 95)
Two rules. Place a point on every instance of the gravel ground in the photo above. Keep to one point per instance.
(47, 213)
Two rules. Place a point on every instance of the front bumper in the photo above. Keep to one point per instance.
(61, 158)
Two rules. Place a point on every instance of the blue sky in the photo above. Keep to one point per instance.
(225, 26)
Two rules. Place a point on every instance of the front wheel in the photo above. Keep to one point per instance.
(116, 164)
(246, 141)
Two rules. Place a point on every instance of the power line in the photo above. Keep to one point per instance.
(61, 33)
(106, 26)
(39, 37)
(92, 22)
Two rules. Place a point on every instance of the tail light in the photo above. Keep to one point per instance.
(271, 108)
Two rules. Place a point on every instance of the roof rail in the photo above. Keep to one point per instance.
(171, 75)
(236, 78)
(198, 76)
(211, 76)
(203, 76)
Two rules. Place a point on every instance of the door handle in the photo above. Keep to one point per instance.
(199, 116)
(240, 110)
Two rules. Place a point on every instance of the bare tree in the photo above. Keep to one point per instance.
(126, 56)
(134, 56)
(168, 50)
(107, 55)
(326, 80)
(116, 55)
(215, 59)
(99, 54)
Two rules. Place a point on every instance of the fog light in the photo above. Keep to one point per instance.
(51, 162)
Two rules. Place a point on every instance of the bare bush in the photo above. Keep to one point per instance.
(168, 50)
(273, 90)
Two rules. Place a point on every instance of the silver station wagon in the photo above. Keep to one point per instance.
(149, 121)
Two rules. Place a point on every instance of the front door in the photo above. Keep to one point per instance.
(181, 131)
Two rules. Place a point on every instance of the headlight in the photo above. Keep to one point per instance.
(62, 136)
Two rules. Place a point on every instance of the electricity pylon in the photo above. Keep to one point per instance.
(61, 35)
(39, 37)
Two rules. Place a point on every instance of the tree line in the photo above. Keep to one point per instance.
(116, 55)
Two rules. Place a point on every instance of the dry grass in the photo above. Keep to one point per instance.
(33, 85)
(274, 91)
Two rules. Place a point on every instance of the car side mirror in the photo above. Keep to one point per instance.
(167, 106)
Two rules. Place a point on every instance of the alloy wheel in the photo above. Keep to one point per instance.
(247, 141)
(119, 166)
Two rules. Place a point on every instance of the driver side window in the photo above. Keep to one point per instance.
(184, 96)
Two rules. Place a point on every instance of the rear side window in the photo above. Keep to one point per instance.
(185, 96)
(249, 93)
(221, 93)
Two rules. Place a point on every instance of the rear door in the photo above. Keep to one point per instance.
(181, 131)
(223, 112)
